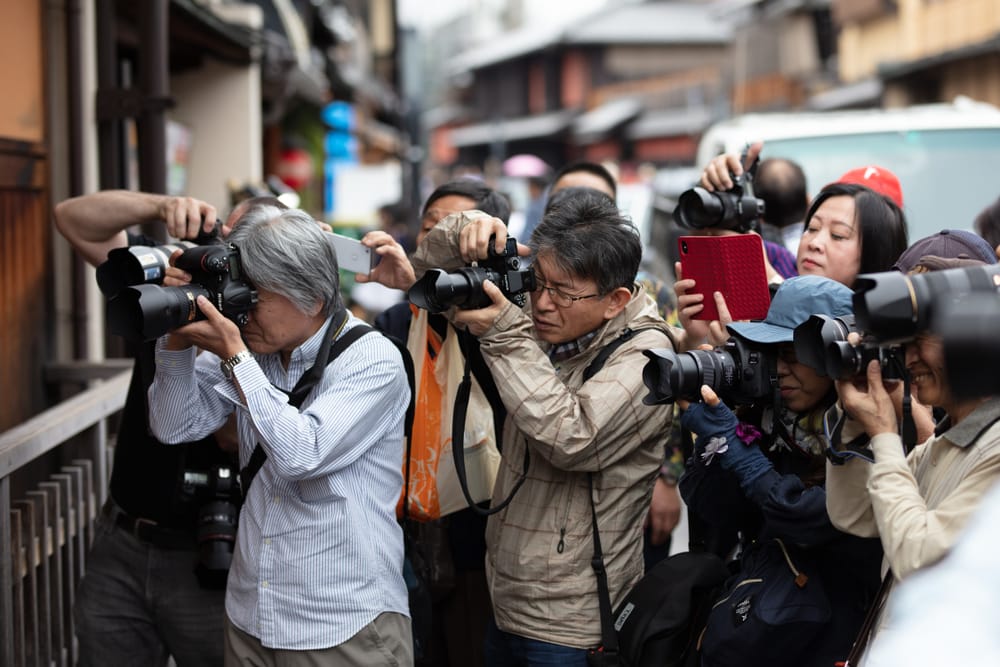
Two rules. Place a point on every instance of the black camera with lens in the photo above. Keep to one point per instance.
(144, 265)
(737, 208)
(216, 491)
(894, 307)
(738, 373)
(438, 290)
(147, 311)
(821, 343)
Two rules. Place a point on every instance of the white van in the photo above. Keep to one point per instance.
(946, 156)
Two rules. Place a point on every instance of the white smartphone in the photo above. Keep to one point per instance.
(352, 255)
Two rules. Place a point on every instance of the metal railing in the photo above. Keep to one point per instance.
(45, 535)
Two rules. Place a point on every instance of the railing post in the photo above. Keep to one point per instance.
(6, 579)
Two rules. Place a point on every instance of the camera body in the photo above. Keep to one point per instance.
(735, 209)
(216, 492)
(821, 343)
(146, 311)
(739, 373)
(438, 290)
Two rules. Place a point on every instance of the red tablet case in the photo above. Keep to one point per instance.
(733, 265)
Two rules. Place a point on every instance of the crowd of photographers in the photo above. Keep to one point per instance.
(844, 440)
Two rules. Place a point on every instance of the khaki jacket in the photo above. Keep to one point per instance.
(918, 504)
(539, 548)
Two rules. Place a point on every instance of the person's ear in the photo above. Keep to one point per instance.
(616, 300)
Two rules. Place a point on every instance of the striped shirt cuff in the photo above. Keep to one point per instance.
(175, 362)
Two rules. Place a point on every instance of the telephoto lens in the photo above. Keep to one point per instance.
(968, 328)
(439, 290)
(893, 307)
(738, 373)
(146, 312)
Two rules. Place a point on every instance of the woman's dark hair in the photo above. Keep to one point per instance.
(587, 236)
(487, 199)
(880, 223)
(589, 167)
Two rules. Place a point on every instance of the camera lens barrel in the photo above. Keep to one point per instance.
(438, 290)
(670, 376)
(146, 312)
(894, 307)
(698, 208)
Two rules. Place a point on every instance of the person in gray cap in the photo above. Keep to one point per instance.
(955, 244)
(760, 471)
(917, 503)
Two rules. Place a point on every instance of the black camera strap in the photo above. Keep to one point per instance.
(459, 412)
(607, 652)
(330, 350)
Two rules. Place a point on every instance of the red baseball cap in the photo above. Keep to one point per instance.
(879, 179)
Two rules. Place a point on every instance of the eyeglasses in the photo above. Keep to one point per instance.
(560, 298)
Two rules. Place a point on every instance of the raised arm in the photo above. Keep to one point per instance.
(95, 223)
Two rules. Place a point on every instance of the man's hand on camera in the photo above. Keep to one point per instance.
(474, 239)
(394, 268)
(174, 277)
(186, 216)
(480, 320)
(215, 333)
(867, 401)
(718, 174)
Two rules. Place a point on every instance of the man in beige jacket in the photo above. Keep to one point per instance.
(539, 548)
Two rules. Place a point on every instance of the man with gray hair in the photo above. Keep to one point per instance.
(317, 572)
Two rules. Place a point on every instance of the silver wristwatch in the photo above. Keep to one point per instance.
(229, 364)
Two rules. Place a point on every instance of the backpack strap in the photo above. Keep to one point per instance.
(609, 636)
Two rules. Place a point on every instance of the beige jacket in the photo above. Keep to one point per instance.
(539, 548)
(918, 504)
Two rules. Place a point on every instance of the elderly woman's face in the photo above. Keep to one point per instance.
(831, 242)
(801, 387)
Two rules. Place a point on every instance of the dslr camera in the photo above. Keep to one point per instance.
(959, 305)
(438, 290)
(894, 307)
(738, 373)
(216, 491)
(821, 343)
(139, 310)
(735, 209)
(141, 265)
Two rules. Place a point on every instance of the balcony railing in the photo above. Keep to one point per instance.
(45, 534)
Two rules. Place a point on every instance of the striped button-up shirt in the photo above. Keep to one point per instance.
(319, 552)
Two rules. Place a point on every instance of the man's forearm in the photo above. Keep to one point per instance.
(96, 223)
